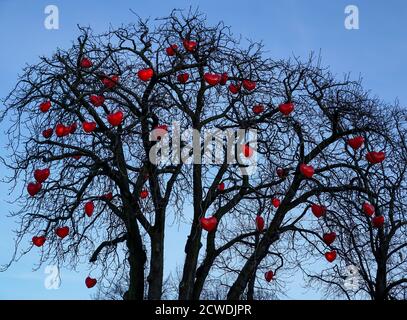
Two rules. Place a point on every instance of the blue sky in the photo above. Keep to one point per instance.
(376, 51)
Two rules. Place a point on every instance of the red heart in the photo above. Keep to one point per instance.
(329, 238)
(249, 85)
(247, 150)
(318, 210)
(189, 45)
(144, 194)
(209, 224)
(88, 126)
(356, 142)
(286, 108)
(90, 282)
(183, 77)
(330, 256)
(145, 74)
(281, 173)
(375, 157)
(45, 106)
(47, 133)
(86, 63)
(221, 186)
(115, 118)
(77, 157)
(62, 232)
(41, 175)
(108, 196)
(276, 202)
(306, 170)
(212, 78)
(223, 79)
(38, 241)
(378, 221)
(171, 50)
(368, 209)
(259, 223)
(269, 276)
(33, 188)
(89, 208)
(61, 130)
(110, 82)
(257, 109)
(234, 88)
(97, 101)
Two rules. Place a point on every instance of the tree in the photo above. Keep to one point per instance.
(378, 252)
(125, 88)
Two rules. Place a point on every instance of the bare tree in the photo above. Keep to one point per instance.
(123, 85)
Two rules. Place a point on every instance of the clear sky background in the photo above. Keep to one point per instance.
(377, 51)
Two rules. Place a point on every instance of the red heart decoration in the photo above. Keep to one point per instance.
(96, 100)
(189, 45)
(286, 108)
(329, 238)
(378, 221)
(110, 82)
(145, 74)
(62, 232)
(223, 79)
(368, 209)
(61, 130)
(88, 126)
(183, 77)
(86, 63)
(375, 157)
(221, 186)
(209, 224)
(281, 173)
(356, 142)
(259, 223)
(212, 78)
(247, 150)
(47, 133)
(307, 170)
(269, 276)
(38, 241)
(318, 210)
(249, 85)
(234, 88)
(41, 174)
(115, 118)
(276, 202)
(144, 194)
(108, 196)
(171, 50)
(330, 256)
(33, 188)
(90, 282)
(45, 106)
(77, 157)
(89, 208)
(257, 109)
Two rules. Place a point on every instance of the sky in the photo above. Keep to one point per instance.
(376, 51)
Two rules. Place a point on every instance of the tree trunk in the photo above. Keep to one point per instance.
(193, 244)
(137, 259)
(155, 278)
